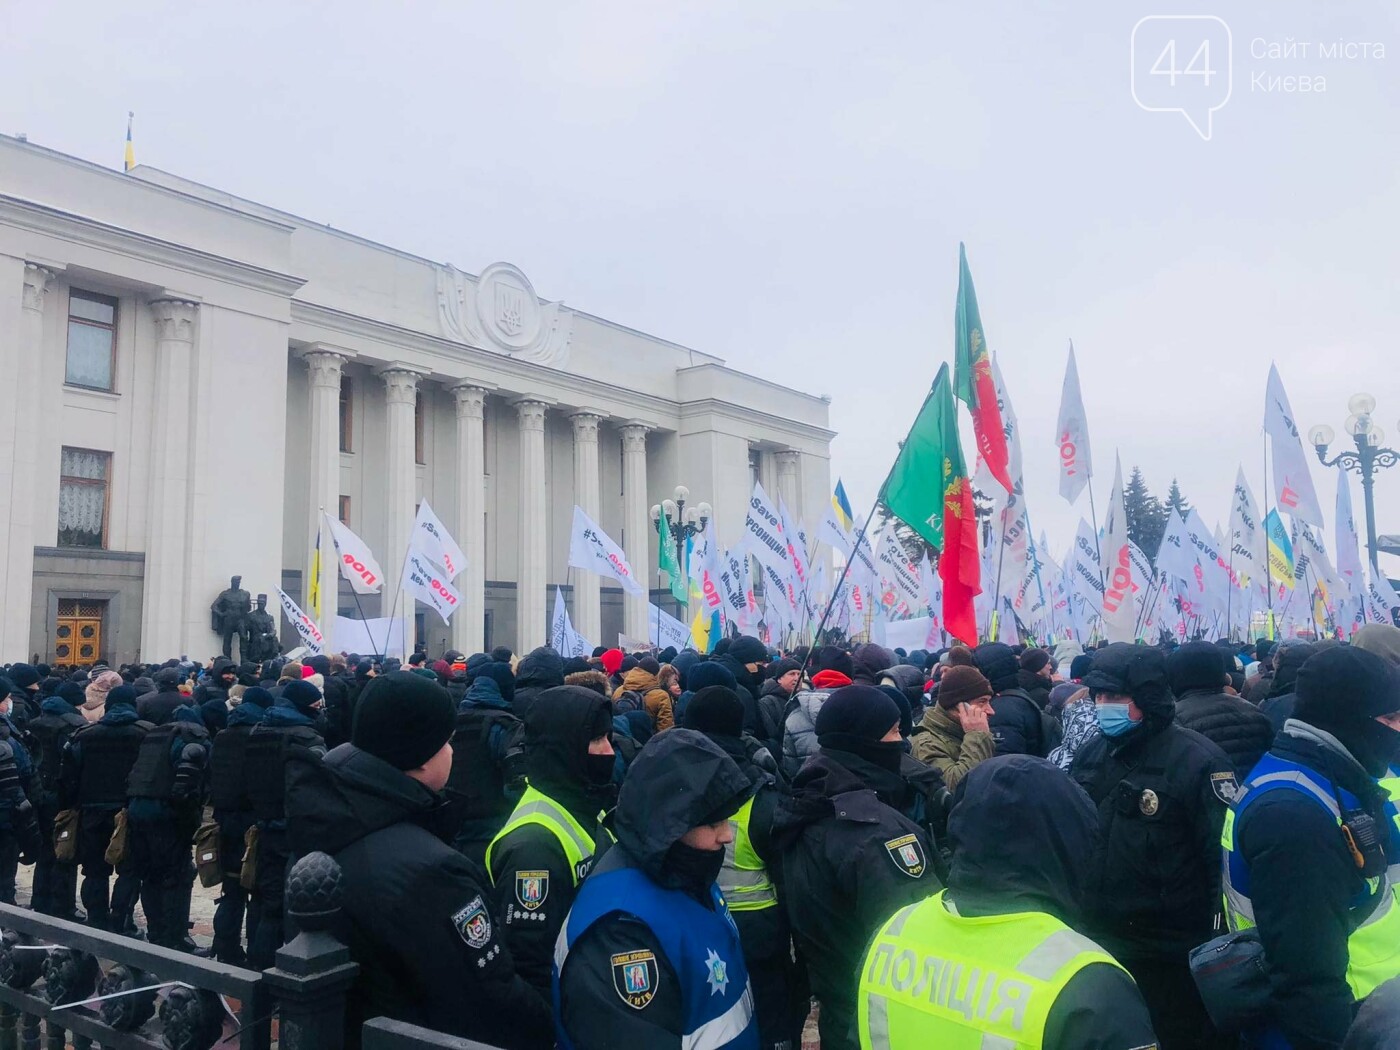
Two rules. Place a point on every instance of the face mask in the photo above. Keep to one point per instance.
(1376, 747)
(1114, 719)
(598, 769)
(691, 867)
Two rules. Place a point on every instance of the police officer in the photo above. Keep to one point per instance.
(96, 763)
(416, 914)
(747, 880)
(55, 884)
(165, 800)
(649, 956)
(1161, 792)
(1024, 836)
(233, 812)
(19, 831)
(546, 847)
(291, 732)
(850, 858)
(488, 759)
(1305, 850)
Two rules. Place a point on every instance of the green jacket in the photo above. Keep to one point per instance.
(939, 741)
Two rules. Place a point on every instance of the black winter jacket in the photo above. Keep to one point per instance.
(542, 669)
(416, 915)
(1235, 726)
(1303, 882)
(1161, 792)
(1016, 724)
(846, 869)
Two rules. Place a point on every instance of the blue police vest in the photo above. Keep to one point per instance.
(702, 947)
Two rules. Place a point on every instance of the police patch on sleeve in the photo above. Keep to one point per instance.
(531, 888)
(634, 977)
(907, 854)
(473, 923)
(1225, 787)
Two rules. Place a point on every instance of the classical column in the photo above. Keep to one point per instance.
(167, 542)
(469, 622)
(323, 366)
(588, 615)
(636, 526)
(531, 579)
(400, 477)
(23, 406)
(789, 474)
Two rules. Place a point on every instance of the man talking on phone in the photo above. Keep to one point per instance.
(953, 737)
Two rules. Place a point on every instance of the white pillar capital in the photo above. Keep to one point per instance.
(586, 423)
(470, 399)
(400, 385)
(36, 283)
(634, 437)
(324, 364)
(174, 319)
(532, 412)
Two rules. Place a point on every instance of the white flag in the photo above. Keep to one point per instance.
(357, 564)
(797, 547)
(431, 538)
(896, 569)
(305, 625)
(1119, 623)
(1072, 435)
(832, 532)
(591, 550)
(665, 630)
(1082, 569)
(1248, 549)
(1348, 548)
(1293, 487)
(422, 580)
(730, 578)
(562, 637)
(1381, 600)
(763, 532)
(1175, 556)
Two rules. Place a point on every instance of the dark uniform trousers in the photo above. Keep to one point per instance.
(94, 833)
(55, 884)
(274, 861)
(161, 860)
(234, 904)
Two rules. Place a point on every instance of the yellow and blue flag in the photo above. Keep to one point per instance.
(842, 506)
(1280, 550)
(130, 159)
(313, 587)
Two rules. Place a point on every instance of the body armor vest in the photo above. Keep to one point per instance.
(108, 753)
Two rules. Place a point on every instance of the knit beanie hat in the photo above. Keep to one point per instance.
(122, 694)
(649, 664)
(962, 685)
(748, 650)
(404, 719)
(291, 671)
(715, 709)
(257, 696)
(1079, 666)
(1196, 665)
(23, 676)
(832, 658)
(611, 660)
(855, 713)
(1381, 639)
(778, 668)
(961, 656)
(708, 673)
(1034, 659)
(501, 675)
(73, 693)
(302, 695)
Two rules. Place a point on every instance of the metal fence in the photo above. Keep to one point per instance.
(63, 984)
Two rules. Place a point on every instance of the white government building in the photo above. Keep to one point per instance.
(190, 376)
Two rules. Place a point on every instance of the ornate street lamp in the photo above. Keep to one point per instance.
(1368, 458)
(676, 522)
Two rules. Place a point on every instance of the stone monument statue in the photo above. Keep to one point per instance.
(228, 616)
(263, 642)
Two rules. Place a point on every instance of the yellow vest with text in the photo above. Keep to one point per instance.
(744, 879)
(933, 978)
(535, 807)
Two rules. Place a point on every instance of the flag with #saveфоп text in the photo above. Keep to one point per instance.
(972, 377)
(929, 491)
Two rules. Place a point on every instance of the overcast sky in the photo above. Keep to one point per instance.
(785, 184)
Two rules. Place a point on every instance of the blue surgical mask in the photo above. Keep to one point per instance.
(1114, 719)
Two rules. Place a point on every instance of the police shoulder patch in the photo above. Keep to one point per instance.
(907, 854)
(1225, 787)
(531, 888)
(634, 977)
(473, 923)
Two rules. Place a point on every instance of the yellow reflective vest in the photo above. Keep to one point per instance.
(535, 807)
(934, 978)
(744, 879)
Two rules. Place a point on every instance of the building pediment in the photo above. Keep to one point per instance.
(500, 311)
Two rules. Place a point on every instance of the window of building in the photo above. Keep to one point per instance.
(418, 429)
(92, 339)
(755, 467)
(82, 498)
(344, 510)
(347, 414)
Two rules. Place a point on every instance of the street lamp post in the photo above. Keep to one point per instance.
(675, 522)
(1368, 458)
